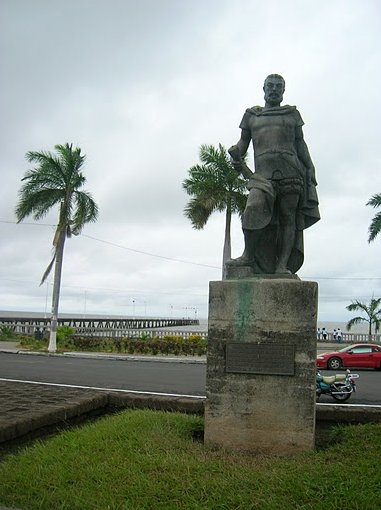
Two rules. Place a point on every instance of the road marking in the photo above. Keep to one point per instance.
(377, 406)
(103, 389)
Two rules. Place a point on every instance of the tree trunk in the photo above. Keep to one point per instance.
(227, 253)
(56, 291)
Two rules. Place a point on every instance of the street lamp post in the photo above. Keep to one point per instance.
(85, 303)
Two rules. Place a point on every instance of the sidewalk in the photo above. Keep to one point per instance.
(24, 410)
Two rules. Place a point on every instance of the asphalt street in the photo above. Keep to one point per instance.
(146, 376)
(149, 376)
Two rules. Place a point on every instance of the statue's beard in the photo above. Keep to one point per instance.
(273, 98)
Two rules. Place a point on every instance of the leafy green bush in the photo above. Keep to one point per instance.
(170, 344)
(29, 342)
(63, 333)
(6, 332)
(88, 343)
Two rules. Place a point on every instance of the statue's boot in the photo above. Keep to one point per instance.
(247, 257)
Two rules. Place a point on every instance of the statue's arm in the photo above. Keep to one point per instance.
(238, 151)
(244, 142)
(304, 155)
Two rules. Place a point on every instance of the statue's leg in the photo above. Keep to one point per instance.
(287, 218)
(247, 257)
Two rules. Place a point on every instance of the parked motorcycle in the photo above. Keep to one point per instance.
(339, 386)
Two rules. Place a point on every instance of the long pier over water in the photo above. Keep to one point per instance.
(107, 326)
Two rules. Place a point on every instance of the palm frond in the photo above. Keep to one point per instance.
(49, 165)
(375, 200)
(86, 211)
(373, 305)
(36, 204)
(72, 161)
(198, 213)
(354, 321)
(48, 269)
(374, 227)
(357, 305)
(238, 201)
(372, 311)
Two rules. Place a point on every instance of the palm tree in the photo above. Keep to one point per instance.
(214, 186)
(372, 311)
(375, 226)
(56, 180)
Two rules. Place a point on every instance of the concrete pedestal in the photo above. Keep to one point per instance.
(261, 365)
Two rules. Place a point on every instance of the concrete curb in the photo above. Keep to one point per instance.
(121, 357)
(116, 357)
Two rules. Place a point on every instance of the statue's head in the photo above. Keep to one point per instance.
(274, 88)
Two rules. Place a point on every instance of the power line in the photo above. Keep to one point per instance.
(124, 247)
(150, 254)
(336, 278)
(27, 223)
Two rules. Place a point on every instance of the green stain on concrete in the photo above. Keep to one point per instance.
(242, 316)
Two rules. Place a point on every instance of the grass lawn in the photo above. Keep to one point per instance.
(149, 460)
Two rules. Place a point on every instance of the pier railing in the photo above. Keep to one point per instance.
(108, 327)
(353, 338)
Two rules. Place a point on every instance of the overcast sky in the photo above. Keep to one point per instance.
(139, 85)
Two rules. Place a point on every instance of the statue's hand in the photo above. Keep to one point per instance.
(234, 153)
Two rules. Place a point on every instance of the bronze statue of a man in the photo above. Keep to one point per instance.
(282, 199)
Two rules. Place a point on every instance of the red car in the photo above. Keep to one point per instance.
(356, 355)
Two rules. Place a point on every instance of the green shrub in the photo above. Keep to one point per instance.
(6, 332)
(63, 333)
(29, 342)
(194, 339)
(87, 343)
(195, 345)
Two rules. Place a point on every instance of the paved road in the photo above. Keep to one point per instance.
(150, 376)
(176, 378)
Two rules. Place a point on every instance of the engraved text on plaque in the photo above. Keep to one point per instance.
(264, 358)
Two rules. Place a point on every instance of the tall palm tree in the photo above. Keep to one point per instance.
(375, 226)
(214, 186)
(372, 312)
(56, 180)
